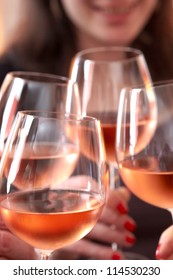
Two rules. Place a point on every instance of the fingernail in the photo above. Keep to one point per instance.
(157, 254)
(130, 226)
(116, 256)
(130, 239)
(121, 208)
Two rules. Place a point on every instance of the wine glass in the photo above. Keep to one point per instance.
(34, 91)
(53, 178)
(144, 144)
(100, 74)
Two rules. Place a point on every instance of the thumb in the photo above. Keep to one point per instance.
(164, 250)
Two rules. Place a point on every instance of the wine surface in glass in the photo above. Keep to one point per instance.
(42, 165)
(61, 218)
(108, 126)
(145, 129)
(144, 177)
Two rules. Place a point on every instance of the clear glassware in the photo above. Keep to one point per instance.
(34, 91)
(101, 73)
(144, 145)
(53, 178)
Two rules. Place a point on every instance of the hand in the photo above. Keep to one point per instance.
(13, 248)
(165, 248)
(114, 226)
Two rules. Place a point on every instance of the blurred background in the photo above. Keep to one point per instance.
(9, 20)
(15, 19)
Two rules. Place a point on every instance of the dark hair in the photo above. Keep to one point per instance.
(156, 41)
(56, 48)
(47, 47)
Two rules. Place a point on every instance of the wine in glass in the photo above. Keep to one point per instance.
(144, 145)
(40, 203)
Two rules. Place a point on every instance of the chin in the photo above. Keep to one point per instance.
(114, 40)
(117, 42)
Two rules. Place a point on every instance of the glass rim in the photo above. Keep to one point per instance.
(154, 85)
(39, 77)
(51, 114)
(107, 49)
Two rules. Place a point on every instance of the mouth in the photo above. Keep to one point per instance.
(115, 10)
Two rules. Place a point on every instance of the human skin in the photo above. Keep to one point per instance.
(108, 22)
(164, 250)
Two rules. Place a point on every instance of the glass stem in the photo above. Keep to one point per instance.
(45, 254)
(114, 183)
(114, 175)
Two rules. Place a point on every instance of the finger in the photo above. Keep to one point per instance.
(93, 250)
(2, 224)
(13, 248)
(117, 199)
(105, 234)
(124, 193)
(110, 217)
(165, 247)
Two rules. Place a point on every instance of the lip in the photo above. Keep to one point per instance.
(115, 14)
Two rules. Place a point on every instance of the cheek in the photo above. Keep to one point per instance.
(140, 19)
(145, 12)
(77, 11)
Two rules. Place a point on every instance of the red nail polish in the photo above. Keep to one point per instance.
(130, 239)
(130, 226)
(116, 256)
(157, 252)
(121, 208)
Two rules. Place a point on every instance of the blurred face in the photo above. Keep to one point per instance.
(108, 22)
